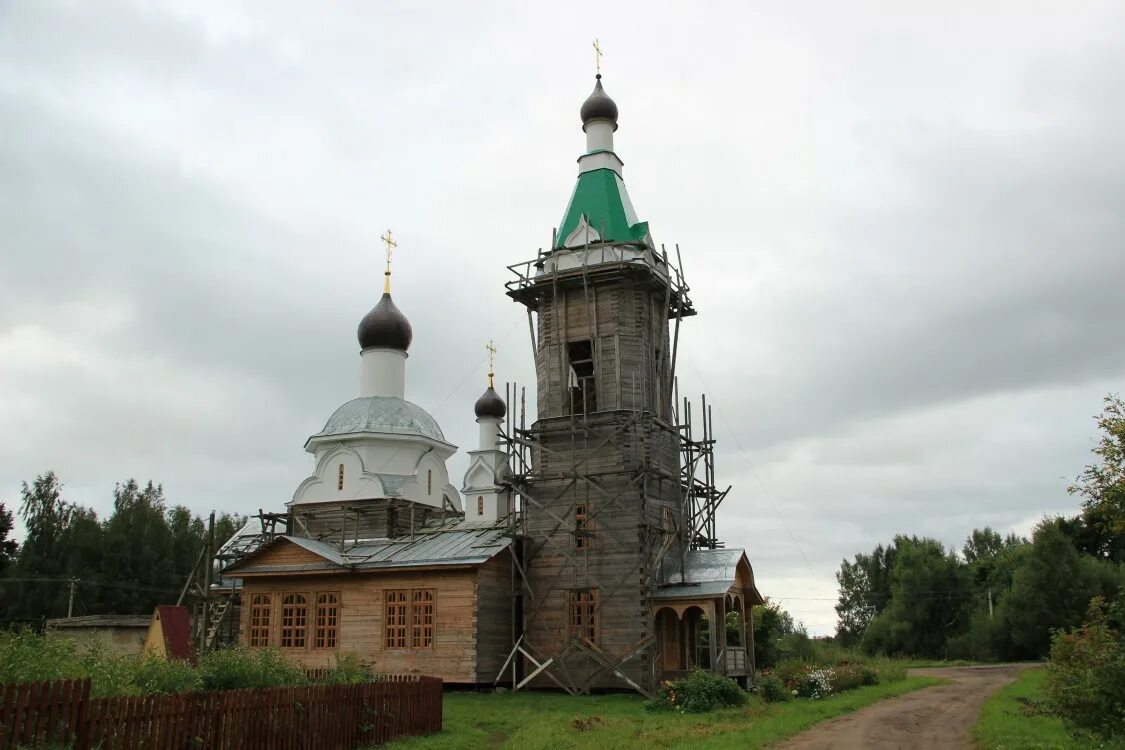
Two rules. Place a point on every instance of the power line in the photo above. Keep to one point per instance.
(127, 585)
(742, 452)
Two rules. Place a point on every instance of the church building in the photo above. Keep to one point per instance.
(580, 552)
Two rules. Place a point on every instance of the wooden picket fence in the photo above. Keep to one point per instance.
(62, 714)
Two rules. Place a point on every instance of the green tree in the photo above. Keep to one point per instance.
(930, 601)
(771, 625)
(8, 547)
(865, 591)
(1052, 587)
(51, 552)
(991, 563)
(138, 566)
(1102, 485)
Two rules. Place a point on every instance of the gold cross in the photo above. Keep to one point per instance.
(491, 360)
(388, 240)
(597, 57)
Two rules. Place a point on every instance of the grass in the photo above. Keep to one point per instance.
(551, 721)
(1010, 720)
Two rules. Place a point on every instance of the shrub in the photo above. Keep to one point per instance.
(772, 688)
(848, 676)
(110, 674)
(347, 669)
(790, 672)
(239, 667)
(698, 692)
(1085, 682)
(814, 683)
(26, 656)
(153, 675)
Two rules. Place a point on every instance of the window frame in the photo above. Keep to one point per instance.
(409, 619)
(480, 505)
(340, 479)
(396, 607)
(294, 635)
(582, 614)
(259, 620)
(421, 619)
(326, 621)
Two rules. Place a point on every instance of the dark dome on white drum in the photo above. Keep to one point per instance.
(598, 106)
(490, 405)
(385, 327)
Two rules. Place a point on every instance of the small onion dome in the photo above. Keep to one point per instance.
(385, 327)
(598, 106)
(490, 405)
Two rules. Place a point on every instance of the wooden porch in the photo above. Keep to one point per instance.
(714, 633)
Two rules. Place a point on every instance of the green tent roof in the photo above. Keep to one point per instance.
(600, 196)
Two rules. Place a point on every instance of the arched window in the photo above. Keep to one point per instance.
(327, 618)
(260, 620)
(340, 478)
(583, 615)
(429, 481)
(422, 618)
(395, 630)
(294, 620)
(480, 506)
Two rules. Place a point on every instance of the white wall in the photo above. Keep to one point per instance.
(382, 373)
(365, 458)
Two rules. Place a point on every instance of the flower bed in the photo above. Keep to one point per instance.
(801, 680)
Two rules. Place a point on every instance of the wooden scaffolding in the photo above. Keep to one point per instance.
(611, 487)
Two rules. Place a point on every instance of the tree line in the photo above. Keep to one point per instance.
(997, 598)
(71, 560)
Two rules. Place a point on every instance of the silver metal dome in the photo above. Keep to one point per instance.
(385, 414)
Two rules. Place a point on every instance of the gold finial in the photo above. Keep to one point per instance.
(491, 360)
(598, 58)
(388, 240)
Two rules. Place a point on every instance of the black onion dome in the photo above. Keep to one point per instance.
(385, 327)
(490, 405)
(598, 106)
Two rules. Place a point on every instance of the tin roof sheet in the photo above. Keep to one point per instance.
(707, 572)
(451, 543)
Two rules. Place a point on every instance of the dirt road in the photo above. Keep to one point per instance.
(937, 717)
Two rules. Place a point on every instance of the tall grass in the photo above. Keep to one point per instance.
(27, 657)
(801, 650)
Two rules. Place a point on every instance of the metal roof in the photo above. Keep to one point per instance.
(381, 414)
(707, 572)
(100, 621)
(450, 543)
(457, 542)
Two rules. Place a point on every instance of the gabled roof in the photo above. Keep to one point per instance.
(707, 573)
(175, 626)
(451, 543)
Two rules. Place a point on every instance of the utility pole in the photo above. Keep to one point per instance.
(990, 603)
(207, 558)
(70, 602)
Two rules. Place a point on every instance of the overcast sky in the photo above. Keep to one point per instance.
(903, 230)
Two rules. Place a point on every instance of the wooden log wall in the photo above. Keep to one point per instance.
(362, 619)
(620, 463)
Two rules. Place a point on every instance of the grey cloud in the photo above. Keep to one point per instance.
(907, 265)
